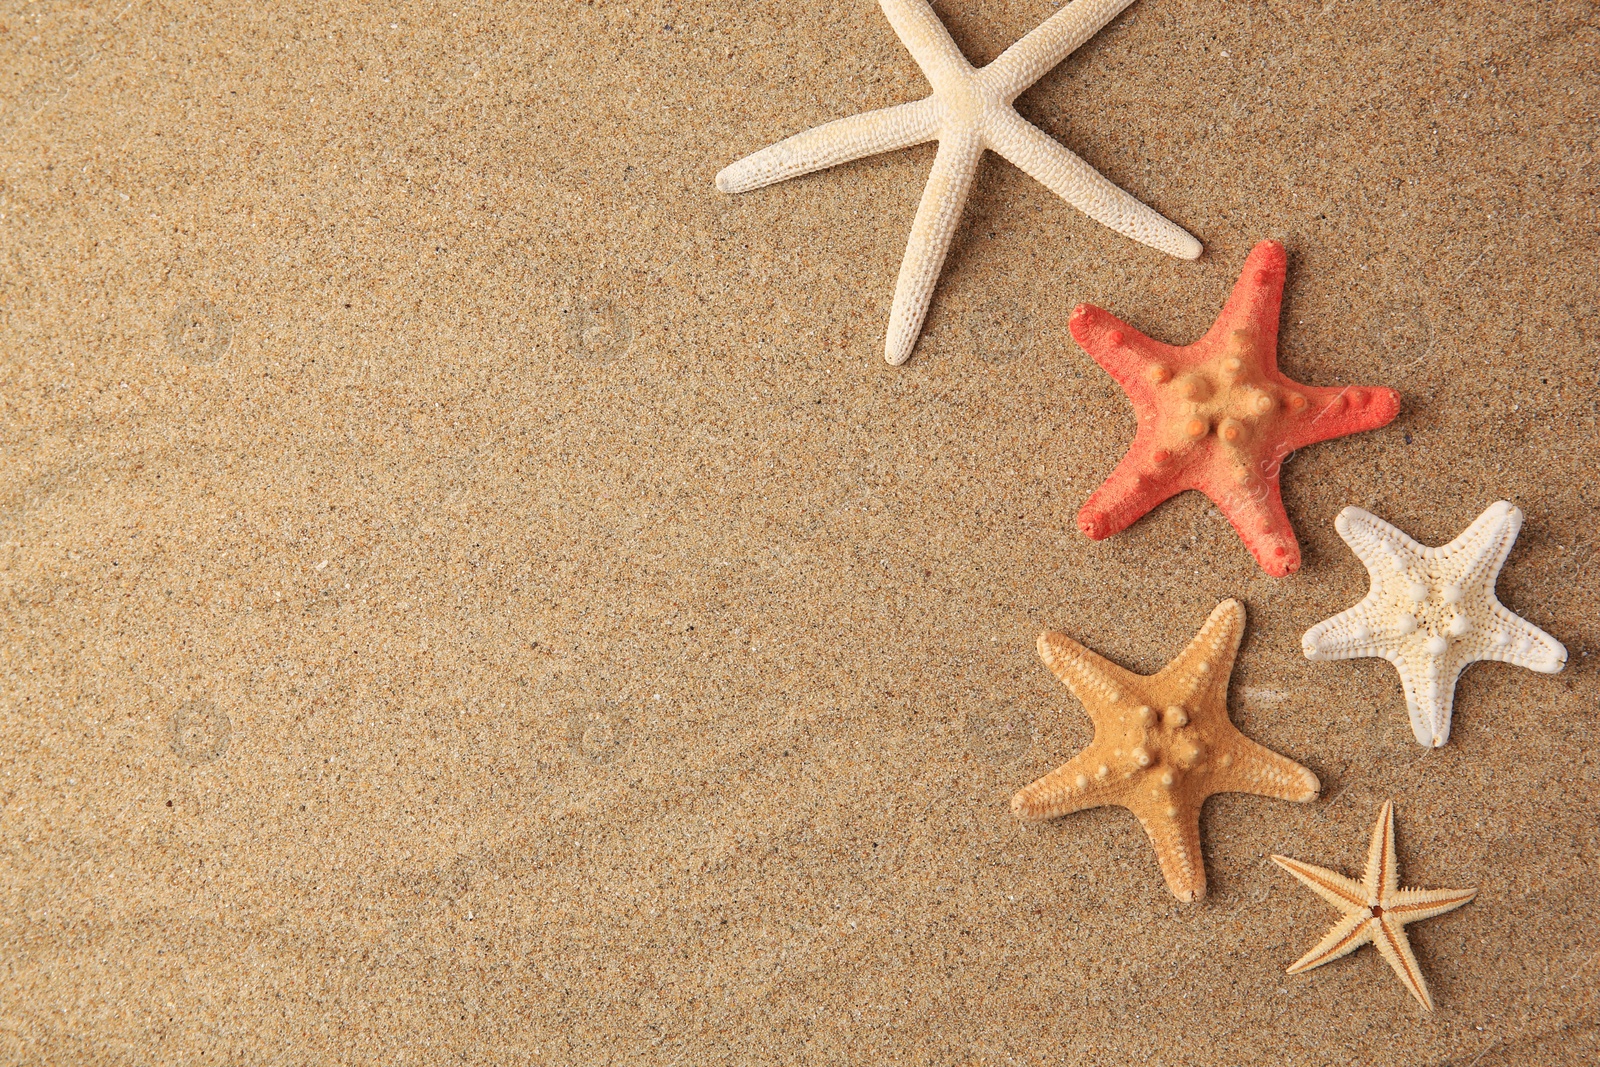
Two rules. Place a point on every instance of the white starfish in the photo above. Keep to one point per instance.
(1374, 909)
(970, 110)
(1432, 612)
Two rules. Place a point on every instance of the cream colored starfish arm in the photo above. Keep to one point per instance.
(1331, 886)
(1176, 839)
(1414, 905)
(1383, 873)
(1390, 937)
(1053, 40)
(1374, 542)
(1060, 170)
(1518, 641)
(1347, 935)
(1354, 633)
(833, 143)
(932, 230)
(929, 43)
(1481, 550)
(1430, 688)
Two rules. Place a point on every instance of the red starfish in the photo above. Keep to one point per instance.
(1218, 416)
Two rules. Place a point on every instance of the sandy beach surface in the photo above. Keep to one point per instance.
(470, 592)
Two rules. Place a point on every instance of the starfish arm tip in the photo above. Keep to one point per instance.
(1101, 335)
(1538, 651)
(1188, 248)
(1555, 663)
(1427, 736)
(1311, 640)
(1270, 253)
(1430, 728)
(1384, 405)
(1058, 650)
(1094, 524)
(1040, 802)
(1021, 808)
(1311, 644)
(743, 175)
(1280, 568)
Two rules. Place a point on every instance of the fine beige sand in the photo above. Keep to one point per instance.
(472, 593)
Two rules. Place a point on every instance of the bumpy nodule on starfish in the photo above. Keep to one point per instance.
(969, 113)
(1218, 415)
(1433, 612)
(1162, 745)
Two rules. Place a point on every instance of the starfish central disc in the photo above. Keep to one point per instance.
(1218, 415)
(1162, 745)
(969, 112)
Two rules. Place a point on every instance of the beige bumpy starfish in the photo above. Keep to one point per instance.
(1162, 745)
(1375, 909)
(1432, 612)
(970, 110)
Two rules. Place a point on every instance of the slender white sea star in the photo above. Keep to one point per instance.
(970, 110)
(1432, 612)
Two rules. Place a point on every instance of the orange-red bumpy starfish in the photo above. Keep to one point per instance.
(1218, 416)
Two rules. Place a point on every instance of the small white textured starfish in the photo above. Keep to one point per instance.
(1432, 612)
(1376, 909)
(970, 110)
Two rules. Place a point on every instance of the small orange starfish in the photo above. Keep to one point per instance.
(1162, 745)
(1218, 416)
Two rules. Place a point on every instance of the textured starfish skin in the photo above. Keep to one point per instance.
(1162, 745)
(1432, 612)
(1218, 415)
(970, 111)
(1375, 909)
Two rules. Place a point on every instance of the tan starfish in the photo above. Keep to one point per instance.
(1375, 909)
(1162, 745)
